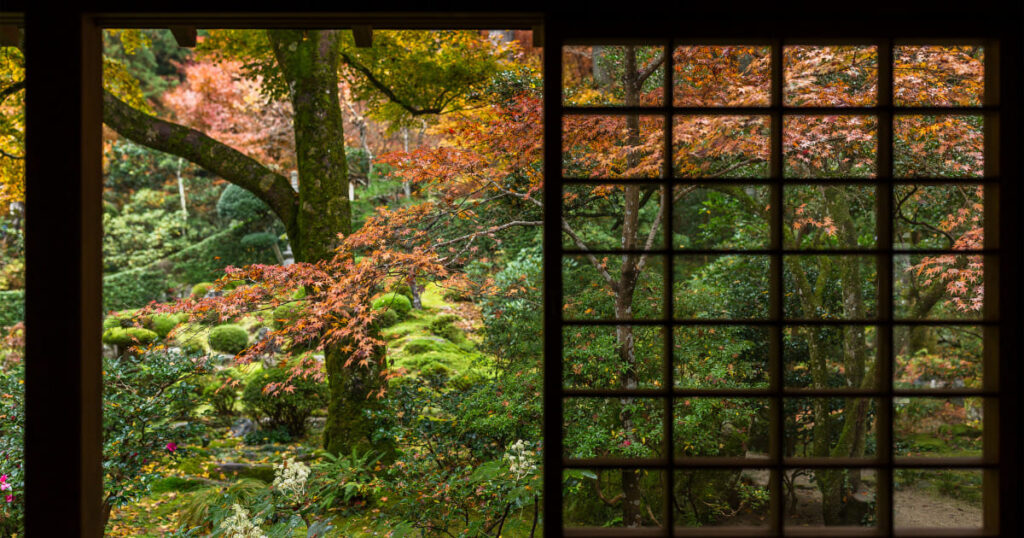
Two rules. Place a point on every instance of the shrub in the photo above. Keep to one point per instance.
(285, 314)
(201, 289)
(263, 437)
(221, 397)
(259, 240)
(135, 287)
(132, 336)
(236, 203)
(287, 409)
(163, 324)
(387, 318)
(228, 338)
(394, 301)
(444, 326)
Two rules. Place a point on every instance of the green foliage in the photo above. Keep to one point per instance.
(278, 435)
(141, 399)
(133, 336)
(12, 449)
(419, 346)
(134, 288)
(394, 301)
(12, 307)
(124, 319)
(228, 338)
(221, 395)
(259, 240)
(163, 324)
(239, 204)
(286, 408)
(344, 479)
(403, 289)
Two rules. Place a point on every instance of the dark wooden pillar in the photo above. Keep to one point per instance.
(63, 232)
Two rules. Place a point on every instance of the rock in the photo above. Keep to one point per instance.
(241, 427)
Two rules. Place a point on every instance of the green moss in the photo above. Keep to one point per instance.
(444, 326)
(118, 336)
(228, 338)
(393, 301)
(287, 313)
(174, 483)
(418, 346)
(201, 289)
(163, 324)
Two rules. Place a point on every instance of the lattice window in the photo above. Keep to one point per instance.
(824, 214)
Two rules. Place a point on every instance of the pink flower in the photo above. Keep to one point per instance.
(172, 446)
(627, 442)
(10, 498)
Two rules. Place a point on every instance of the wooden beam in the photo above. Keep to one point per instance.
(185, 35)
(538, 36)
(10, 36)
(363, 35)
(63, 274)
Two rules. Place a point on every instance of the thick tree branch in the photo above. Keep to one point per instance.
(386, 90)
(649, 70)
(11, 90)
(215, 156)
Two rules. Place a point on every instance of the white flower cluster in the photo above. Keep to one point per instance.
(240, 526)
(520, 459)
(290, 477)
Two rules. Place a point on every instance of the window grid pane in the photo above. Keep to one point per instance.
(881, 392)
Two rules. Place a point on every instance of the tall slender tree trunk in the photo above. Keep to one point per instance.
(309, 60)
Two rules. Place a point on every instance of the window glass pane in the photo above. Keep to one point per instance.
(609, 146)
(721, 76)
(829, 216)
(721, 287)
(944, 286)
(591, 289)
(721, 217)
(937, 427)
(722, 498)
(602, 75)
(830, 146)
(830, 427)
(938, 75)
(939, 216)
(620, 427)
(938, 146)
(830, 497)
(937, 498)
(598, 356)
(721, 427)
(721, 356)
(597, 494)
(596, 217)
(720, 146)
(830, 287)
(938, 357)
(830, 357)
(830, 76)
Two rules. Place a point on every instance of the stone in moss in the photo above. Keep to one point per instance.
(201, 289)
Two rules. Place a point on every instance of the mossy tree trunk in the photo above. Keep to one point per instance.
(315, 218)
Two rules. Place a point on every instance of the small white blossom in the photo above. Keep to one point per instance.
(240, 525)
(520, 459)
(290, 477)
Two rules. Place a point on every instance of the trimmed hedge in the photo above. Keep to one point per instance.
(228, 338)
(163, 324)
(285, 409)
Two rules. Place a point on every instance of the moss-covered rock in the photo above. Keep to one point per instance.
(394, 301)
(201, 289)
(228, 339)
(132, 336)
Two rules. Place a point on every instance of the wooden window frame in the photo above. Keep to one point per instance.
(64, 193)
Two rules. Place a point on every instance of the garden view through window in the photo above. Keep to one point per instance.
(323, 292)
